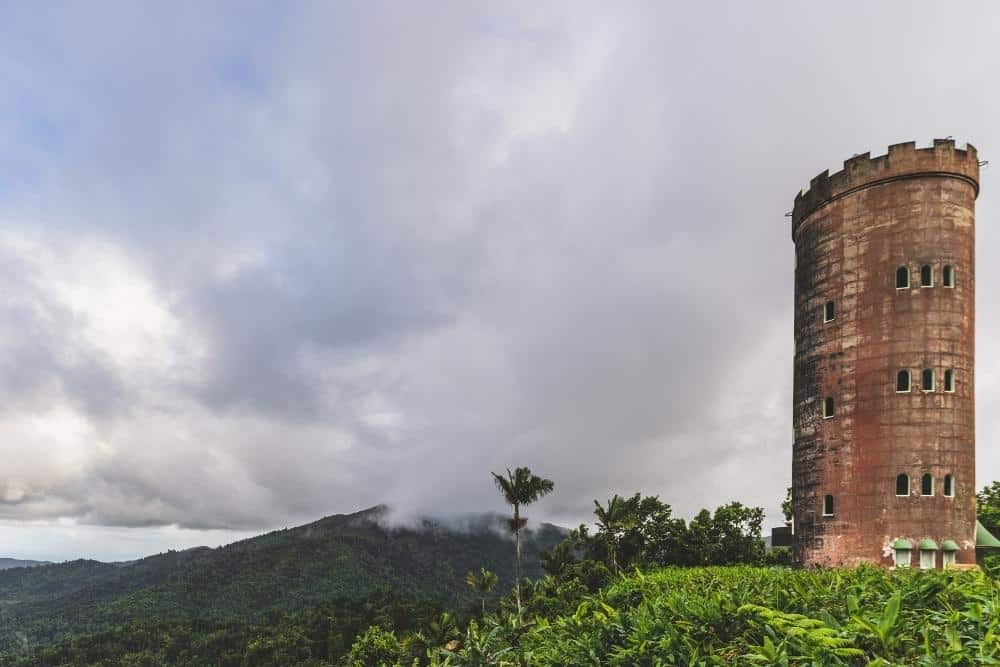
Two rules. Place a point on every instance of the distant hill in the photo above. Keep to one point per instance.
(8, 563)
(342, 556)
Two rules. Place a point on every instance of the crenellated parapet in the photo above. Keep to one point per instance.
(883, 384)
(902, 161)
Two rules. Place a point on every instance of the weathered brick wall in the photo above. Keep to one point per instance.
(852, 231)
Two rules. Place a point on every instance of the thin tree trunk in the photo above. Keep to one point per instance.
(484, 607)
(517, 559)
(613, 554)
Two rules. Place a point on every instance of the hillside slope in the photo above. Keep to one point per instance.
(716, 615)
(8, 563)
(342, 556)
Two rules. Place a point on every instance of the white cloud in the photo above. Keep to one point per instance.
(258, 271)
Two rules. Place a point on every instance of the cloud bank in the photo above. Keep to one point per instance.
(262, 264)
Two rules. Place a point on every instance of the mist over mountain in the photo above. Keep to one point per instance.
(345, 556)
(8, 563)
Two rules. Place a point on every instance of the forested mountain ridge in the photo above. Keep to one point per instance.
(8, 563)
(348, 556)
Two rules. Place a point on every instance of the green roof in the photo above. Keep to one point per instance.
(984, 538)
(927, 544)
(949, 545)
(902, 544)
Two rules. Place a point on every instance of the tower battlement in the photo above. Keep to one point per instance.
(902, 161)
(884, 458)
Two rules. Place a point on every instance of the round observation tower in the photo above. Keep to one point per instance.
(883, 465)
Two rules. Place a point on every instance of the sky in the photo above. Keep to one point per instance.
(266, 262)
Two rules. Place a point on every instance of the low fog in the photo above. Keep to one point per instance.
(265, 263)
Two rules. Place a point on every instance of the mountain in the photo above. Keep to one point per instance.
(8, 563)
(348, 556)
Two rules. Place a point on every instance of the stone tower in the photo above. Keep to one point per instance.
(883, 466)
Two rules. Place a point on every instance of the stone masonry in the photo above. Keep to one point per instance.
(853, 230)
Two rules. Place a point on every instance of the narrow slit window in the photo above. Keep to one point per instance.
(927, 380)
(927, 485)
(949, 485)
(926, 276)
(828, 311)
(827, 407)
(902, 277)
(903, 381)
(949, 275)
(828, 505)
(902, 485)
(949, 380)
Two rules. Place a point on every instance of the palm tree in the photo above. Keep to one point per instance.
(556, 560)
(614, 520)
(442, 631)
(483, 583)
(520, 487)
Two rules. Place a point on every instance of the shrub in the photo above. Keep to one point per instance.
(745, 615)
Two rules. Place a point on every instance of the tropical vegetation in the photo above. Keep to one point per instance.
(520, 488)
(639, 587)
(337, 562)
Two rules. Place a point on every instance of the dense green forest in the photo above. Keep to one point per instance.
(706, 615)
(336, 560)
(737, 615)
(640, 587)
(354, 628)
(7, 563)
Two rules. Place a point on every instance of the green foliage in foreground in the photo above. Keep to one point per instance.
(771, 616)
(739, 615)
(759, 616)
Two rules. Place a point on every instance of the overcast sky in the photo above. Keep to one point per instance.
(266, 262)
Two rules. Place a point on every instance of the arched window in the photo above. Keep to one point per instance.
(828, 505)
(927, 379)
(902, 277)
(928, 554)
(903, 381)
(827, 407)
(902, 548)
(949, 485)
(828, 311)
(902, 485)
(949, 380)
(949, 275)
(948, 549)
(927, 485)
(926, 276)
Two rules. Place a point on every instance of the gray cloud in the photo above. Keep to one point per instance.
(261, 265)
